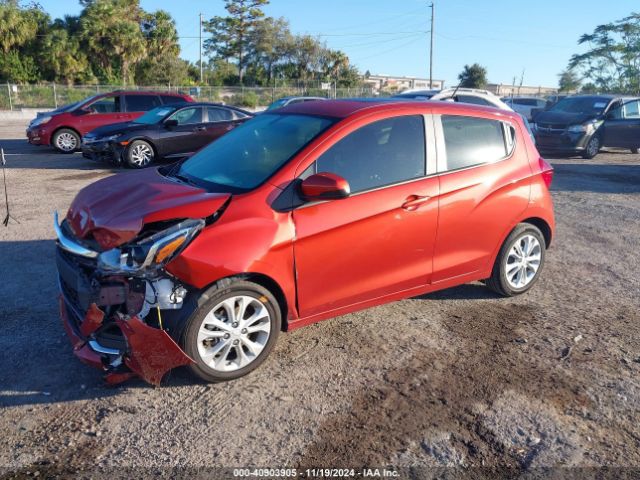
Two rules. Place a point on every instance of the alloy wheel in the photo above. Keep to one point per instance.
(66, 142)
(141, 155)
(234, 333)
(523, 261)
(593, 147)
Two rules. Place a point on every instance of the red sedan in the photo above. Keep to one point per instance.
(312, 211)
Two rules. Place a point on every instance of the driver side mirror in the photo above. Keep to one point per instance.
(171, 123)
(324, 186)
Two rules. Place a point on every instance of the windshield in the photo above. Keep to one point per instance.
(155, 116)
(278, 104)
(583, 105)
(248, 155)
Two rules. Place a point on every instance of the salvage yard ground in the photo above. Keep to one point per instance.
(456, 378)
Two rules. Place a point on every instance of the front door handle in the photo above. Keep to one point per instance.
(200, 129)
(413, 202)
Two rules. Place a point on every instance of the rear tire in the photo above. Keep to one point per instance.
(66, 140)
(232, 331)
(592, 149)
(139, 154)
(635, 150)
(519, 262)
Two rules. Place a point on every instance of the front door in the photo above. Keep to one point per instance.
(104, 111)
(380, 239)
(622, 126)
(186, 137)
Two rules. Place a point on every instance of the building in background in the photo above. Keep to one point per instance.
(391, 84)
(503, 90)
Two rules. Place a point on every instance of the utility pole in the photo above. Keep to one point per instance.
(433, 12)
(201, 72)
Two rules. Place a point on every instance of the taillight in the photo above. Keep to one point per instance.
(546, 171)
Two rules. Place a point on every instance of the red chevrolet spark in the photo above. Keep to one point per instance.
(310, 212)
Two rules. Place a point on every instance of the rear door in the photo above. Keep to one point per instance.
(622, 126)
(484, 186)
(103, 111)
(218, 122)
(136, 105)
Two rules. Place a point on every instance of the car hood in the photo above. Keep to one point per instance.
(563, 118)
(119, 206)
(115, 128)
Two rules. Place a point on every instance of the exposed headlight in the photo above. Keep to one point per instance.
(40, 121)
(151, 252)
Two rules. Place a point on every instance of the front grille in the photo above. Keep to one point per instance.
(551, 126)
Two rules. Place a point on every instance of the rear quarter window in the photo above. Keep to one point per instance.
(471, 141)
(141, 103)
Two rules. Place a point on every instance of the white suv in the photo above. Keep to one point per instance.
(472, 95)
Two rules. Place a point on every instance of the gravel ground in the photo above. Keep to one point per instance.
(459, 378)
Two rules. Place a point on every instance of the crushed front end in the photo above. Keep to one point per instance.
(120, 308)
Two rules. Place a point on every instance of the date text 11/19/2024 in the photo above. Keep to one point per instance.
(316, 472)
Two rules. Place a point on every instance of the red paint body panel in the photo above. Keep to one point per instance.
(152, 352)
(80, 347)
(123, 203)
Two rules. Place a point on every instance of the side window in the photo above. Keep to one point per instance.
(219, 114)
(631, 110)
(106, 105)
(382, 153)
(239, 115)
(171, 99)
(473, 141)
(141, 103)
(188, 116)
(473, 100)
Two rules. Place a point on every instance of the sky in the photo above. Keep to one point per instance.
(507, 37)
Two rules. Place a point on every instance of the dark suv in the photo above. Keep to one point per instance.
(583, 124)
(63, 127)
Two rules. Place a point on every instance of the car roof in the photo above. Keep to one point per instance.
(346, 107)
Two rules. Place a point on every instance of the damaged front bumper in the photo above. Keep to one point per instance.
(115, 322)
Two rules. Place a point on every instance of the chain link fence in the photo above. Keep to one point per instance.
(16, 97)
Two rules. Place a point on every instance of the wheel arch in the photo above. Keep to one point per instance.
(543, 226)
(266, 282)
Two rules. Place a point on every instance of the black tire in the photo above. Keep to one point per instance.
(498, 281)
(139, 154)
(222, 290)
(635, 150)
(66, 140)
(593, 148)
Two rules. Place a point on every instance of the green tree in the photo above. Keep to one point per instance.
(111, 31)
(17, 25)
(159, 29)
(231, 34)
(612, 61)
(473, 76)
(569, 81)
(271, 42)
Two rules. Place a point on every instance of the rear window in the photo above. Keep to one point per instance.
(473, 100)
(171, 99)
(141, 103)
(216, 114)
(471, 141)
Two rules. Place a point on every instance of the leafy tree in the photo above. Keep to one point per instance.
(17, 25)
(473, 76)
(271, 42)
(163, 70)
(159, 29)
(232, 34)
(612, 61)
(569, 81)
(111, 31)
(62, 57)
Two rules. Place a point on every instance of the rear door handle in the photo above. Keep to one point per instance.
(200, 129)
(413, 202)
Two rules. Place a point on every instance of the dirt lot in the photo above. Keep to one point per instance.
(458, 378)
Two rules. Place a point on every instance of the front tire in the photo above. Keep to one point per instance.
(232, 331)
(139, 154)
(66, 140)
(519, 262)
(635, 150)
(592, 148)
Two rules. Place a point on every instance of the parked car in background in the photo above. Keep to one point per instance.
(283, 102)
(305, 213)
(525, 105)
(583, 124)
(170, 131)
(416, 94)
(550, 101)
(473, 96)
(64, 127)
